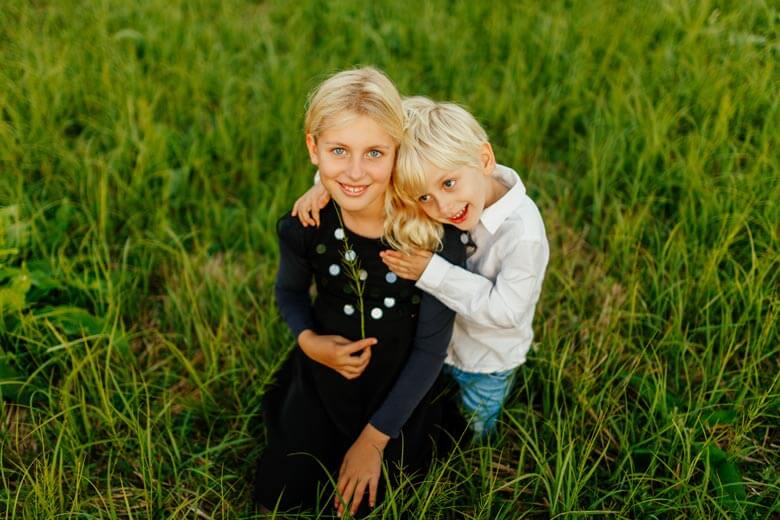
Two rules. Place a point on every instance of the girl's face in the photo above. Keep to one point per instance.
(459, 197)
(355, 161)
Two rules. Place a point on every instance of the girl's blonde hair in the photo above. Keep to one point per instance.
(356, 92)
(442, 135)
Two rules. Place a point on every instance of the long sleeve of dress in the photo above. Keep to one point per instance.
(434, 330)
(294, 276)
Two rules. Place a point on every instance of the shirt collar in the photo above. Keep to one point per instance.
(497, 213)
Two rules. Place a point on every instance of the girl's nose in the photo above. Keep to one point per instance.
(354, 171)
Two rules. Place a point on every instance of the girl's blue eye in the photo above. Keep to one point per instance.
(339, 151)
(449, 183)
(375, 154)
(424, 198)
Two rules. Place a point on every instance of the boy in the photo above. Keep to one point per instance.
(447, 167)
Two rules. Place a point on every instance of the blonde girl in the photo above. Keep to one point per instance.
(358, 390)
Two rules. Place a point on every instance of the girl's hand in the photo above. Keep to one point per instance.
(307, 207)
(361, 469)
(336, 352)
(409, 266)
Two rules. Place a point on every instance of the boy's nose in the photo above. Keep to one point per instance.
(445, 207)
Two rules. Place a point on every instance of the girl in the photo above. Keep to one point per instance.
(360, 388)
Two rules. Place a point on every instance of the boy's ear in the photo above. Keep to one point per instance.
(311, 144)
(487, 159)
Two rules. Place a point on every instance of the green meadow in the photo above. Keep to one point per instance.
(147, 149)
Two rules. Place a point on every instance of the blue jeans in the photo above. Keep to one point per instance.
(482, 395)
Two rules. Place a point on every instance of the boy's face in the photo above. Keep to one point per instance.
(458, 197)
(356, 161)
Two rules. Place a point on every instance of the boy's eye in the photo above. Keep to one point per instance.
(424, 198)
(338, 151)
(449, 183)
(375, 154)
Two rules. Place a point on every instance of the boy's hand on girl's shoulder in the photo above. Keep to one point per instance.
(348, 358)
(307, 207)
(409, 266)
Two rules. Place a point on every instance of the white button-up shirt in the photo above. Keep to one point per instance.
(495, 298)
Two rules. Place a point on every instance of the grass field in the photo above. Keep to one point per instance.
(147, 149)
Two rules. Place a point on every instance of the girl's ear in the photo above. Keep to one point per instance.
(311, 144)
(487, 159)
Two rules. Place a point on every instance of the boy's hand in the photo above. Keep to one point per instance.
(307, 207)
(361, 469)
(409, 266)
(335, 352)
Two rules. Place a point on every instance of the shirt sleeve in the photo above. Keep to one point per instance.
(294, 276)
(434, 330)
(503, 303)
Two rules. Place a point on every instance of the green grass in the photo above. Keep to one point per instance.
(147, 148)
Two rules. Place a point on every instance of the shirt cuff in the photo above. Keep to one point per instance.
(434, 274)
(385, 428)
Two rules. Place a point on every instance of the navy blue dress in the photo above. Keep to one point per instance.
(313, 414)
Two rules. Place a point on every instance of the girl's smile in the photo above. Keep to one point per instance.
(353, 191)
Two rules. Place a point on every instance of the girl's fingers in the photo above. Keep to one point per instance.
(350, 362)
(372, 486)
(357, 498)
(360, 345)
(355, 362)
(364, 362)
(349, 489)
(339, 498)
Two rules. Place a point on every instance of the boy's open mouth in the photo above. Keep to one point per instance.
(353, 191)
(460, 216)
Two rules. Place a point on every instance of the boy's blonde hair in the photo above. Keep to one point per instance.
(442, 135)
(364, 92)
